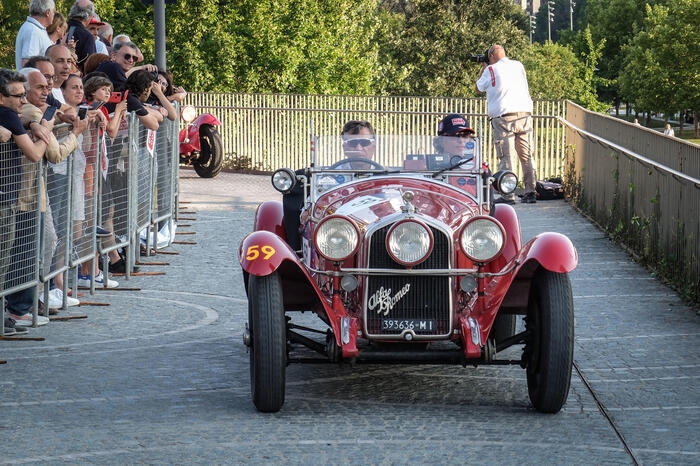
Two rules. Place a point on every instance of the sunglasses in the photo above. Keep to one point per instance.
(463, 135)
(17, 96)
(363, 142)
(130, 57)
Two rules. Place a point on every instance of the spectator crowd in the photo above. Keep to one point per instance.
(70, 96)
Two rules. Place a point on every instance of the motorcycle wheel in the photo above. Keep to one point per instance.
(211, 154)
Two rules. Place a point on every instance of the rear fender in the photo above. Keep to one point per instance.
(191, 132)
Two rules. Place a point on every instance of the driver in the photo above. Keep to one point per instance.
(359, 142)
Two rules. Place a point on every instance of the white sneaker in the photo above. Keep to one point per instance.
(55, 302)
(100, 281)
(26, 320)
(57, 294)
(84, 281)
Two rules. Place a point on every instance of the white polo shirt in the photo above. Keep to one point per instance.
(32, 39)
(505, 84)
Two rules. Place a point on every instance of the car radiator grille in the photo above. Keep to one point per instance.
(419, 301)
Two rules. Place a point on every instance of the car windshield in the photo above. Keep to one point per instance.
(340, 160)
(396, 153)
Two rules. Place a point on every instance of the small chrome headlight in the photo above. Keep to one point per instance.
(336, 238)
(283, 180)
(505, 181)
(482, 239)
(409, 242)
(188, 113)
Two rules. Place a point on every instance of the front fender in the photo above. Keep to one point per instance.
(553, 251)
(270, 217)
(509, 293)
(262, 252)
(205, 119)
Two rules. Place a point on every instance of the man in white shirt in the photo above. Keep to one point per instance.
(32, 38)
(510, 110)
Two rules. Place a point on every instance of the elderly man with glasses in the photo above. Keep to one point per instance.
(13, 96)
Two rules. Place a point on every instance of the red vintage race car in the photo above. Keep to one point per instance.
(403, 259)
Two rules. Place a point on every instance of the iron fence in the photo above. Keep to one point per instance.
(49, 212)
(643, 188)
(268, 131)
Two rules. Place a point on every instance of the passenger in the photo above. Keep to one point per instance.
(454, 133)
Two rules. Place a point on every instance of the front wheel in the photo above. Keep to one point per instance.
(211, 153)
(549, 351)
(268, 349)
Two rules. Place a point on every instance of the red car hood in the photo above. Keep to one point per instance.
(374, 199)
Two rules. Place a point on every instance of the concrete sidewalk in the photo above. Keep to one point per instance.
(159, 375)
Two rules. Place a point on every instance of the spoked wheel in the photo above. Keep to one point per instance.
(549, 351)
(211, 154)
(268, 348)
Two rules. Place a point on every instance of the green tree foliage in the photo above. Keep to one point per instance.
(554, 72)
(387, 47)
(616, 21)
(661, 69)
(425, 45)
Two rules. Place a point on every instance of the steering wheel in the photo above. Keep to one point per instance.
(350, 160)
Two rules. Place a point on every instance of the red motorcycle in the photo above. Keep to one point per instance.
(200, 143)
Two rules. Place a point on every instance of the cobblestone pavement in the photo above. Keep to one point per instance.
(160, 375)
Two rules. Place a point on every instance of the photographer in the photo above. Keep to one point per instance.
(510, 111)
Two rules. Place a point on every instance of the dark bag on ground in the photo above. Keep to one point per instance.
(549, 189)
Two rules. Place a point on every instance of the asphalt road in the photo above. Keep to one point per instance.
(160, 374)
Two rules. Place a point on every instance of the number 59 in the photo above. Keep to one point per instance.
(253, 252)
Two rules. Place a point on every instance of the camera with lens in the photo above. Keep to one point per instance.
(480, 57)
(154, 75)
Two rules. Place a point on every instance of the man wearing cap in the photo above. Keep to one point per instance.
(454, 136)
(94, 26)
(510, 110)
(78, 19)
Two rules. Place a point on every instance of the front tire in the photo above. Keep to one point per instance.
(211, 153)
(549, 351)
(268, 350)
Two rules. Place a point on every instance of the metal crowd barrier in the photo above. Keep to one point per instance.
(50, 230)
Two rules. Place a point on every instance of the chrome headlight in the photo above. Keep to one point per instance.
(482, 239)
(283, 180)
(188, 113)
(505, 181)
(409, 242)
(336, 238)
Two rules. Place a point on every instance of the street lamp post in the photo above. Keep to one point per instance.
(572, 4)
(533, 24)
(550, 18)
